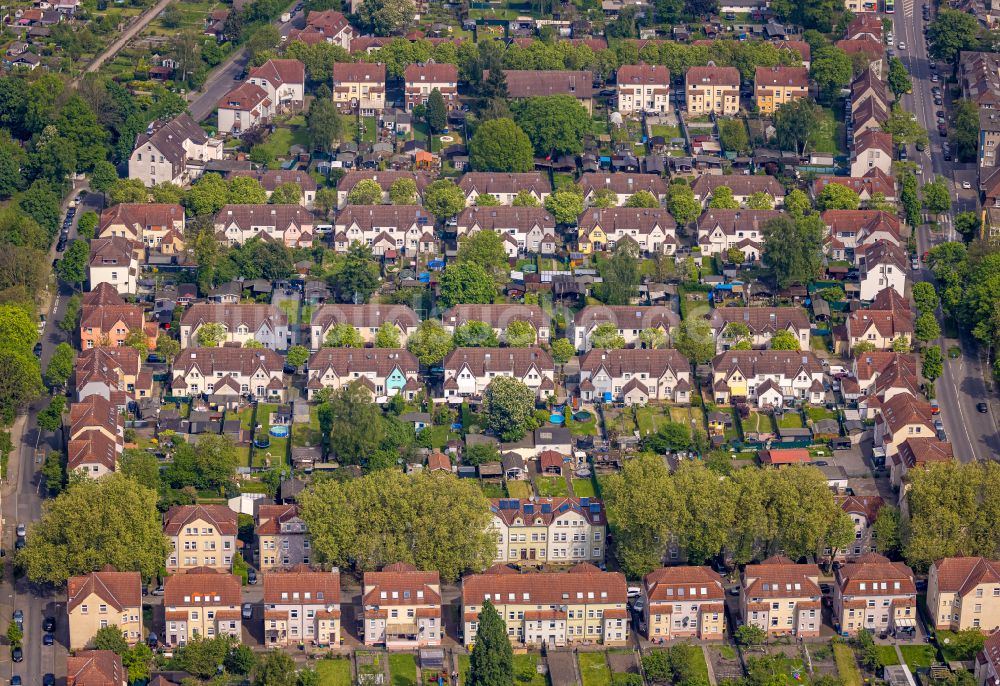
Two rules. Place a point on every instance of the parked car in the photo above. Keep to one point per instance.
(17, 654)
(19, 618)
(247, 611)
(158, 590)
(48, 639)
(634, 592)
(251, 576)
(15, 680)
(49, 624)
(49, 680)
(982, 408)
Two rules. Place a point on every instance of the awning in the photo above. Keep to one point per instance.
(905, 623)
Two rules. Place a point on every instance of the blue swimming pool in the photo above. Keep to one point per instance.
(279, 431)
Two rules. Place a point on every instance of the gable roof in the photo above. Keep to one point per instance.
(674, 584)
(369, 217)
(874, 181)
(781, 77)
(740, 184)
(498, 316)
(530, 83)
(779, 577)
(302, 585)
(384, 179)
(201, 586)
(482, 361)
(168, 138)
(712, 75)
(431, 72)
(894, 578)
(356, 72)
(917, 452)
(401, 583)
(118, 589)
(902, 410)
(346, 361)
(962, 574)
(94, 668)
(280, 71)
(581, 583)
(219, 516)
(252, 315)
(270, 179)
(732, 221)
(239, 361)
(760, 320)
(872, 139)
(244, 97)
(498, 183)
(142, 216)
(626, 219)
(547, 510)
(627, 316)
(867, 505)
(654, 362)
(504, 217)
(643, 74)
(371, 315)
(623, 183)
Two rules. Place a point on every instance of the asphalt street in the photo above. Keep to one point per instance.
(973, 434)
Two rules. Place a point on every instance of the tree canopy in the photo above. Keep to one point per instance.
(501, 145)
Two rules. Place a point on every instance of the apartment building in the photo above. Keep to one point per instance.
(777, 86)
(359, 87)
(684, 602)
(283, 538)
(158, 226)
(101, 599)
(768, 377)
(643, 88)
(580, 606)
(712, 89)
(107, 320)
(202, 602)
(530, 83)
(402, 608)
(384, 372)
(243, 109)
(549, 530)
(901, 418)
(762, 323)
(863, 511)
(781, 597)
(302, 606)
(872, 150)
(635, 376)
(628, 320)
(283, 80)
(420, 80)
(499, 317)
(366, 320)
(202, 536)
(964, 593)
(883, 265)
(241, 322)
(174, 151)
(468, 371)
(875, 594)
(653, 230)
(114, 261)
(229, 374)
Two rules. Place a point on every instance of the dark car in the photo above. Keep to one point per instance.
(61, 245)
(48, 639)
(15, 680)
(152, 640)
(943, 132)
(982, 408)
(947, 156)
(49, 680)
(49, 624)
(18, 544)
(37, 349)
(251, 576)
(17, 654)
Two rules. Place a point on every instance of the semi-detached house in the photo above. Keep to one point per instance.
(523, 229)
(712, 89)
(544, 531)
(107, 320)
(385, 180)
(643, 88)
(654, 231)
(504, 186)
(742, 186)
(383, 372)
(386, 229)
(420, 80)
(781, 597)
(115, 261)
(721, 230)
(283, 80)
(244, 108)
(270, 179)
(115, 374)
(623, 185)
(302, 606)
(875, 594)
(402, 608)
(629, 321)
(202, 602)
(530, 83)
(762, 323)
(468, 371)
(499, 317)
(635, 376)
(554, 609)
(684, 602)
(768, 378)
(290, 225)
(96, 437)
(228, 374)
(366, 320)
(158, 226)
(241, 322)
(283, 538)
(359, 87)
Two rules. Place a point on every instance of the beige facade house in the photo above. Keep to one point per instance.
(635, 376)
(174, 151)
(580, 606)
(468, 371)
(988, 661)
(720, 230)
(777, 86)
(654, 231)
(203, 536)
(684, 602)
(523, 229)
(863, 510)
(964, 593)
(359, 87)
(366, 320)
(229, 374)
(102, 599)
(781, 597)
(202, 602)
(282, 537)
(302, 606)
(115, 261)
(402, 608)
(712, 89)
(875, 594)
(241, 322)
(420, 80)
(643, 88)
(549, 530)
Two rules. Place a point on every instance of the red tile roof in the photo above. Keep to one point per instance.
(583, 584)
(201, 586)
(118, 589)
(95, 668)
(219, 516)
(302, 585)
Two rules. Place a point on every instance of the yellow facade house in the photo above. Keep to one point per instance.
(964, 593)
(776, 86)
(102, 599)
(202, 536)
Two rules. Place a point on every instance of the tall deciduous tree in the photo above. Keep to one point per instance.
(795, 123)
(492, 659)
(386, 17)
(365, 192)
(112, 520)
(619, 275)
(464, 283)
(501, 145)
(60, 365)
(508, 405)
(485, 248)
(355, 427)
(555, 124)
(566, 205)
(836, 196)
(473, 334)
(20, 382)
(444, 199)
(793, 248)
(430, 342)
(682, 204)
(437, 113)
(387, 336)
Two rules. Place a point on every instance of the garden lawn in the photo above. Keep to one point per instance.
(621, 421)
(594, 669)
(829, 137)
(584, 488)
(888, 655)
(697, 418)
(917, 656)
(279, 446)
(403, 669)
(680, 415)
(649, 419)
(790, 420)
(492, 490)
(463, 667)
(818, 413)
(847, 666)
(519, 489)
(551, 486)
(587, 428)
(370, 128)
(278, 143)
(667, 132)
(757, 423)
(334, 672)
(523, 664)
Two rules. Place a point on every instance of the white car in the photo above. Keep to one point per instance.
(966, 185)
(902, 45)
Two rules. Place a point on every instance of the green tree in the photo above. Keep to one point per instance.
(387, 336)
(167, 192)
(430, 342)
(103, 176)
(14, 634)
(167, 347)
(835, 196)
(904, 127)
(208, 465)
(355, 428)
(796, 123)
(520, 334)
(797, 203)
(128, 190)
(937, 199)
(50, 419)
(466, 283)
(722, 199)
(525, 199)
(642, 199)
(492, 659)
(899, 78)
(402, 192)
(508, 407)
(386, 17)
(925, 296)
(20, 381)
(967, 224)
(831, 70)
(606, 337)
(326, 201)
(430, 520)
(501, 145)
(356, 277)
(760, 201)
(486, 249)
(343, 335)
(933, 365)
(324, 126)
(240, 659)
(695, 340)
(72, 268)
(901, 344)
(437, 113)
(141, 467)
(474, 334)
(886, 530)
(733, 136)
(137, 662)
(210, 335)
(110, 638)
(245, 190)
(487, 200)
(87, 224)
(276, 668)
(604, 198)
(286, 194)
(951, 32)
(784, 340)
(202, 656)
(298, 355)
(966, 130)
(566, 206)
(556, 124)
(207, 195)
(365, 192)
(562, 350)
(793, 248)
(640, 502)
(17, 330)
(682, 204)
(65, 541)
(750, 635)
(60, 365)
(926, 328)
(444, 199)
